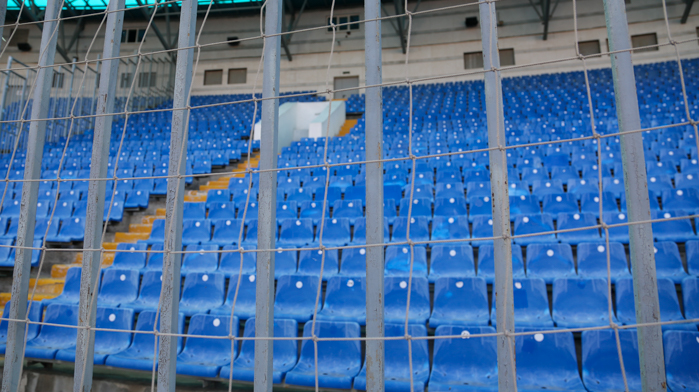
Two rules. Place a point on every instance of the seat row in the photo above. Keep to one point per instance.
(461, 359)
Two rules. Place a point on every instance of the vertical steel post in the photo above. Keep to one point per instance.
(150, 81)
(89, 281)
(170, 294)
(374, 198)
(504, 302)
(69, 107)
(30, 191)
(267, 220)
(93, 104)
(5, 87)
(645, 282)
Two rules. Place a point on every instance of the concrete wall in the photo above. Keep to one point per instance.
(438, 41)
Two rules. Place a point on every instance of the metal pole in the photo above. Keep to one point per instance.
(501, 202)
(89, 281)
(267, 220)
(170, 294)
(5, 87)
(69, 107)
(374, 199)
(93, 104)
(645, 282)
(150, 81)
(14, 355)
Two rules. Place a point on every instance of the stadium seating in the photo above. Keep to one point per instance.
(580, 303)
(547, 361)
(244, 303)
(460, 301)
(550, 261)
(531, 304)
(667, 296)
(118, 286)
(202, 291)
(397, 366)
(592, 261)
(35, 313)
(284, 355)
(464, 364)
(681, 350)
(345, 300)
(396, 296)
(600, 360)
(52, 338)
(204, 357)
(449, 260)
(296, 297)
(149, 294)
(486, 262)
(338, 361)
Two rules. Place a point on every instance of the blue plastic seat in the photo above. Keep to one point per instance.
(338, 361)
(398, 261)
(149, 294)
(302, 195)
(348, 208)
(71, 288)
(486, 262)
(336, 232)
(206, 260)
(481, 188)
(286, 210)
(106, 342)
(217, 196)
(227, 232)
(550, 261)
(547, 361)
(221, 210)
(451, 206)
(576, 221)
(133, 256)
(660, 184)
(118, 286)
(137, 198)
(345, 300)
(421, 207)
(681, 352)
(690, 296)
(668, 263)
(296, 297)
(419, 229)
(674, 230)
(524, 205)
(451, 190)
(613, 185)
(296, 232)
(600, 360)
(618, 233)
(532, 224)
(230, 261)
(397, 368)
(353, 262)
(463, 365)
(202, 291)
(194, 211)
(34, 314)
(359, 235)
(63, 209)
(691, 249)
(531, 304)
(580, 303)
(196, 231)
(518, 188)
(72, 230)
(451, 260)
(592, 260)
(546, 187)
(285, 352)
(157, 233)
(580, 187)
(204, 357)
(310, 262)
(460, 301)
(244, 303)
(667, 296)
(52, 338)
(314, 210)
(560, 203)
(396, 295)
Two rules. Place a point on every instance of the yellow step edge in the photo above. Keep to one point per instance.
(47, 286)
(60, 270)
(5, 297)
(140, 228)
(148, 220)
(107, 258)
(109, 245)
(130, 237)
(195, 198)
(160, 212)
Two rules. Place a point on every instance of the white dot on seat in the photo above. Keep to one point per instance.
(414, 201)
(525, 219)
(350, 283)
(132, 249)
(251, 278)
(451, 220)
(298, 223)
(622, 216)
(122, 277)
(452, 200)
(667, 215)
(412, 220)
(539, 337)
(486, 199)
(690, 177)
(522, 197)
(362, 251)
(405, 250)
(284, 207)
(548, 184)
(680, 192)
(655, 250)
(583, 182)
(403, 284)
(466, 335)
(350, 205)
(459, 284)
(559, 199)
(205, 278)
(549, 253)
(452, 253)
(490, 221)
(596, 199)
(313, 205)
(616, 182)
(448, 186)
(112, 317)
(518, 285)
(652, 179)
(576, 216)
(600, 248)
(197, 224)
(299, 284)
(217, 322)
